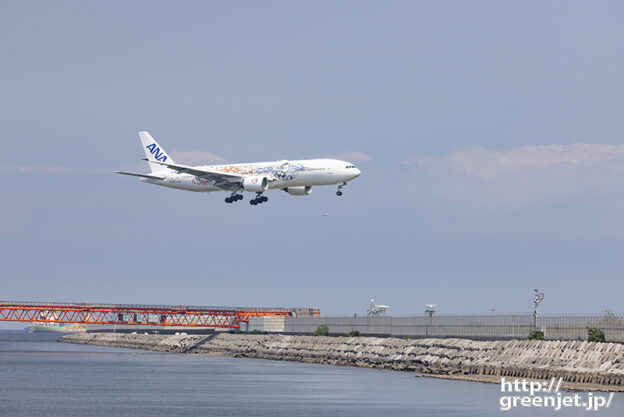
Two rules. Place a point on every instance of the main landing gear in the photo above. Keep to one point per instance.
(259, 199)
(233, 198)
(339, 193)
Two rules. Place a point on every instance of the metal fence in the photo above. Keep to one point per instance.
(472, 326)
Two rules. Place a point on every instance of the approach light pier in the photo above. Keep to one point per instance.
(142, 314)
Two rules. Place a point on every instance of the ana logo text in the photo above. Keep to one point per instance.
(158, 154)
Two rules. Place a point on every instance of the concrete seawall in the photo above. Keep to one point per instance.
(582, 365)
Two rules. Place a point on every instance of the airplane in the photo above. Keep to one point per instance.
(295, 177)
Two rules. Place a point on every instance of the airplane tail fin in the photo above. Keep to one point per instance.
(154, 152)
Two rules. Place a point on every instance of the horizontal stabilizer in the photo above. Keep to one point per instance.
(150, 176)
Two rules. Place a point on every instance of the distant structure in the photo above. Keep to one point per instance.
(430, 311)
(537, 299)
(375, 309)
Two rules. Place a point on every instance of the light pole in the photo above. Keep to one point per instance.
(537, 299)
(429, 311)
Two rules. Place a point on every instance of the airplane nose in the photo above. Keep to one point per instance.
(357, 173)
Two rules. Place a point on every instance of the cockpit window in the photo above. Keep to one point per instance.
(350, 166)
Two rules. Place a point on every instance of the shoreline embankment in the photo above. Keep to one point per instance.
(581, 365)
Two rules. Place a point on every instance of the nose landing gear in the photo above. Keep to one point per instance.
(339, 193)
(259, 199)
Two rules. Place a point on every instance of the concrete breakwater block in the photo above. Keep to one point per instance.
(582, 365)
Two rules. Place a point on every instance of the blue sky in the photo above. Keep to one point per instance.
(489, 135)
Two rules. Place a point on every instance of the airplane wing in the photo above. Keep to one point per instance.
(150, 176)
(224, 180)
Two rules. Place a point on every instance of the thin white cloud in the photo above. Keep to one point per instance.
(524, 175)
(352, 156)
(192, 158)
(576, 188)
(197, 158)
(183, 157)
(49, 169)
(483, 163)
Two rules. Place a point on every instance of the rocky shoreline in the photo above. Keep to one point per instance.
(582, 365)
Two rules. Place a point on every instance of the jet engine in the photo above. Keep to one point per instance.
(299, 190)
(255, 184)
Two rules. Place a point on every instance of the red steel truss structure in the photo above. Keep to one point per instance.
(137, 314)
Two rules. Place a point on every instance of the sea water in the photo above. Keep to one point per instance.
(41, 377)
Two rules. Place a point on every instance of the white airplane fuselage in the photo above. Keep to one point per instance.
(296, 177)
(302, 173)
